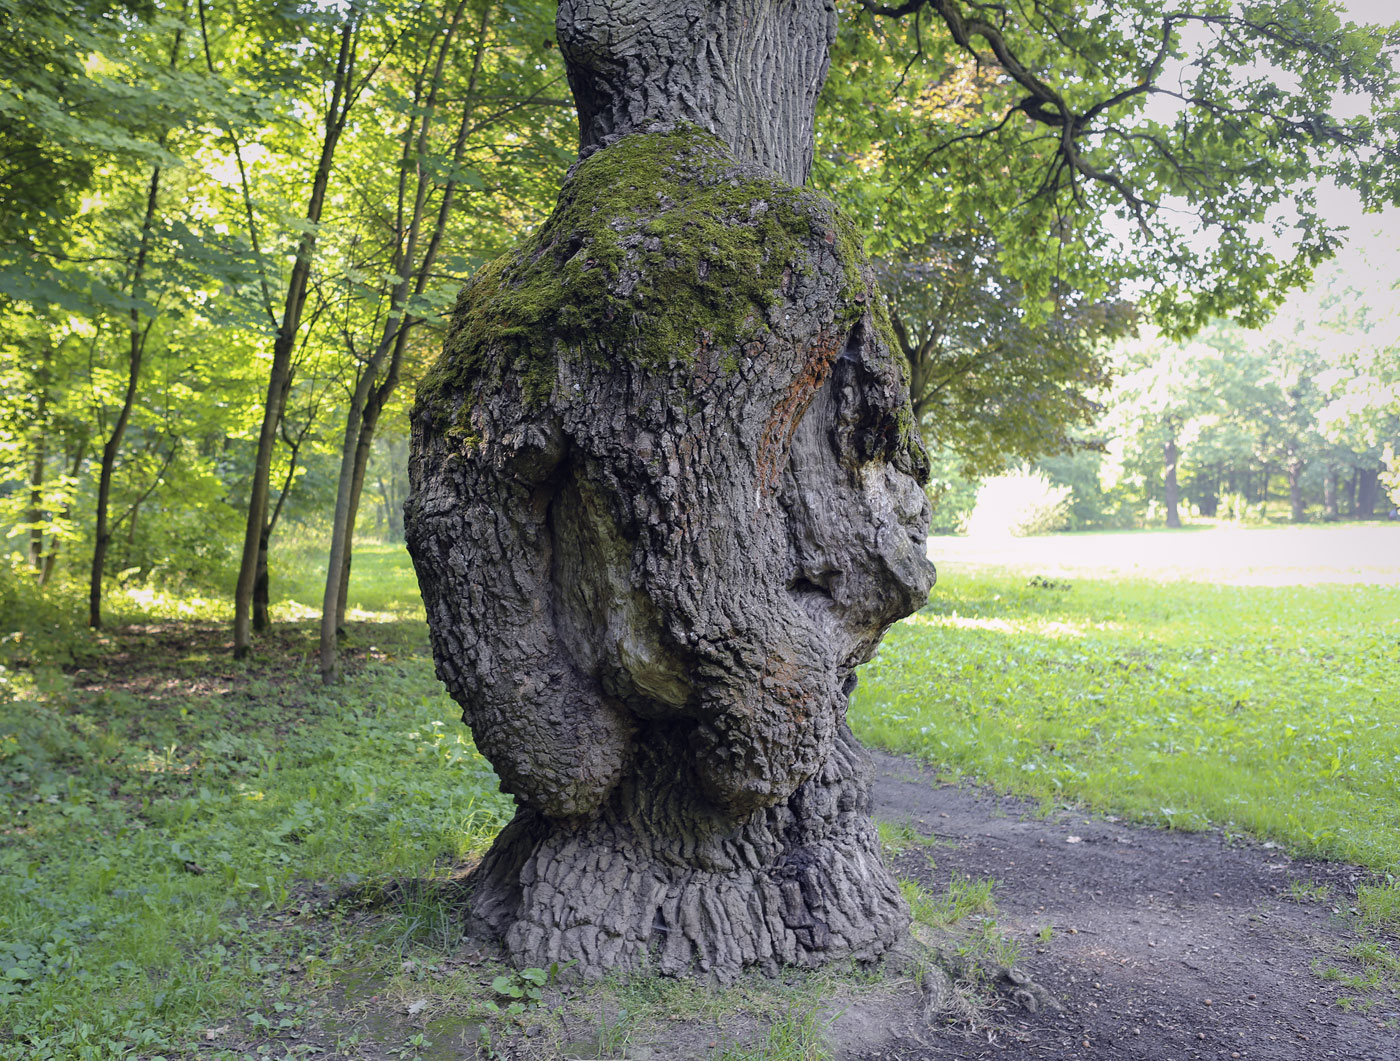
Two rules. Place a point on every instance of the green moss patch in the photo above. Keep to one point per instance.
(661, 245)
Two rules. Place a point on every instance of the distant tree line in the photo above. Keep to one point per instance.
(1297, 420)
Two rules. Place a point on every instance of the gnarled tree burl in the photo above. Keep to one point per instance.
(666, 497)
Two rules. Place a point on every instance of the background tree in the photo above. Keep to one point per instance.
(444, 139)
(1300, 408)
(989, 378)
(346, 82)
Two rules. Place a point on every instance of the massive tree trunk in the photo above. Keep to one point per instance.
(665, 497)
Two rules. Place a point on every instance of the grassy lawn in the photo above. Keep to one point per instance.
(168, 814)
(175, 827)
(1268, 709)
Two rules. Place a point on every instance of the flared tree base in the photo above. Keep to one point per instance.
(657, 882)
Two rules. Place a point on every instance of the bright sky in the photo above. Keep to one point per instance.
(1372, 257)
(1371, 10)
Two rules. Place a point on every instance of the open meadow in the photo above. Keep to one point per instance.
(204, 859)
(1245, 679)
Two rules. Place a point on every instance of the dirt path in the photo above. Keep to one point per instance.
(1163, 946)
(1300, 555)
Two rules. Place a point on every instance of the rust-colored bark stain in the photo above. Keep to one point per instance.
(783, 684)
(776, 438)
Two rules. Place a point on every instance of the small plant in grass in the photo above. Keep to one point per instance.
(792, 1037)
(1309, 891)
(988, 948)
(898, 837)
(615, 1033)
(1376, 955)
(1375, 974)
(520, 991)
(963, 898)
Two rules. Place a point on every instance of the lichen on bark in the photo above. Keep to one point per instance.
(666, 497)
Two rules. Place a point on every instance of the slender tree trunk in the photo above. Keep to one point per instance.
(1210, 496)
(374, 406)
(1329, 493)
(367, 404)
(1171, 492)
(386, 507)
(1295, 490)
(1367, 489)
(136, 338)
(357, 486)
(36, 506)
(262, 584)
(39, 442)
(341, 529)
(663, 506)
(280, 375)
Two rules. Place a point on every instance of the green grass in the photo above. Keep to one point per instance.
(791, 1037)
(1274, 711)
(384, 585)
(964, 898)
(174, 825)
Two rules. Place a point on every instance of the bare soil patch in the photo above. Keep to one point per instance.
(1163, 946)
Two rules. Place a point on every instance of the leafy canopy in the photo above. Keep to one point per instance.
(1179, 149)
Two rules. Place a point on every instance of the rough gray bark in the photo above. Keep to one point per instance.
(665, 497)
(748, 71)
